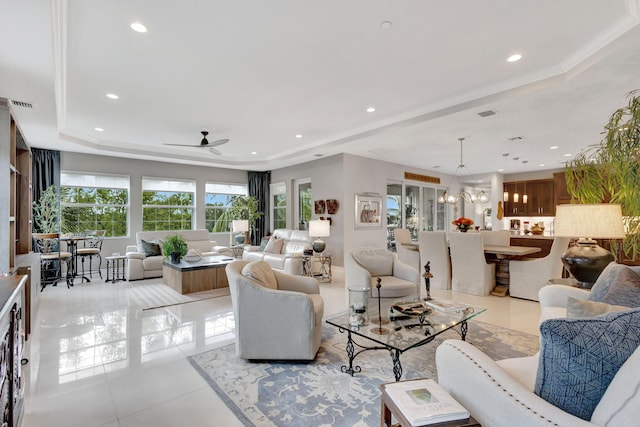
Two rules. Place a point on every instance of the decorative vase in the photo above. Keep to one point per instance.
(175, 257)
(463, 228)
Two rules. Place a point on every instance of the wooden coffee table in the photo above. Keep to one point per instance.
(206, 274)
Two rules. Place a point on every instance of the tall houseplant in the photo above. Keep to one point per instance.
(611, 171)
(46, 211)
(245, 207)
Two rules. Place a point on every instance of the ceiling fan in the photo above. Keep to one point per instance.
(206, 144)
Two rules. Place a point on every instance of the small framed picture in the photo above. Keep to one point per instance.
(368, 210)
(318, 207)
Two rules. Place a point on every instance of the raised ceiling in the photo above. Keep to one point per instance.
(262, 72)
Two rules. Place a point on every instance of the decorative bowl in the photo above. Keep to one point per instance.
(192, 258)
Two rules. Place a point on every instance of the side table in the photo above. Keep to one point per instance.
(388, 409)
(324, 274)
(115, 266)
(237, 251)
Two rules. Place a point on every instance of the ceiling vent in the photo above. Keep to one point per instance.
(516, 138)
(21, 104)
(487, 113)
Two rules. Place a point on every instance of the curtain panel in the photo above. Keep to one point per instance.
(259, 188)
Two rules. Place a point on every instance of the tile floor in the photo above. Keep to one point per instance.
(97, 359)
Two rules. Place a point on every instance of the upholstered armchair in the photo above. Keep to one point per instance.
(364, 265)
(278, 316)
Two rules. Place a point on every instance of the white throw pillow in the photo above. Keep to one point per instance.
(274, 246)
(261, 272)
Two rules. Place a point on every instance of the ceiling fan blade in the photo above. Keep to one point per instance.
(214, 151)
(184, 145)
(218, 142)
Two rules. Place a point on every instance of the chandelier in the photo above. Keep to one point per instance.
(480, 197)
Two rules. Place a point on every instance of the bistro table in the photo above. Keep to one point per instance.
(72, 246)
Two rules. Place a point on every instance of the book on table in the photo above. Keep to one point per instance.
(445, 305)
(424, 402)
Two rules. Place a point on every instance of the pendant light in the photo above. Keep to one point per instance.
(480, 197)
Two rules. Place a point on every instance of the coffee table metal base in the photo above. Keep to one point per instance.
(393, 352)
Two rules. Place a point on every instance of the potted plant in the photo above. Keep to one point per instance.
(46, 211)
(245, 207)
(175, 247)
(610, 172)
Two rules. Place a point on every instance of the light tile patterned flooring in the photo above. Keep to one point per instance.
(96, 358)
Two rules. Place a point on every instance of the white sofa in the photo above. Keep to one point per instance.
(141, 266)
(289, 259)
(502, 393)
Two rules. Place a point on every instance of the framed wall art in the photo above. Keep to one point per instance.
(368, 210)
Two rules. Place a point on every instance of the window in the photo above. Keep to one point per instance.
(167, 204)
(94, 202)
(279, 205)
(303, 187)
(217, 201)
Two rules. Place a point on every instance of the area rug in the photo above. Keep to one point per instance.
(150, 295)
(318, 393)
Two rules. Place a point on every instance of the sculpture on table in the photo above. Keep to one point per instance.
(427, 280)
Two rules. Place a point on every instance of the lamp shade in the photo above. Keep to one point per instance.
(239, 225)
(319, 228)
(597, 221)
(586, 260)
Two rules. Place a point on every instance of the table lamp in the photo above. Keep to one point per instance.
(240, 226)
(586, 260)
(319, 228)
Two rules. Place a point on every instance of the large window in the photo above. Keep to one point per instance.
(303, 206)
(217, 202)
(167, 204)
(279, 205)
(94, 202)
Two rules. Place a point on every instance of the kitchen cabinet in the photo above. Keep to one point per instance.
(540, 198)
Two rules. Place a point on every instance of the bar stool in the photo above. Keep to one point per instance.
(92, 248)
(51, 259)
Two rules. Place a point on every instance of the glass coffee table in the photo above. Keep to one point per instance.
(401, 332)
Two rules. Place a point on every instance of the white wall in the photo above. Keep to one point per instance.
(136, 169)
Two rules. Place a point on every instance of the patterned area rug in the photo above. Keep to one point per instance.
(318, 393)
(152, 294)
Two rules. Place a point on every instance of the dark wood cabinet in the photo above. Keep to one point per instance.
(561, 195)
(540, 198)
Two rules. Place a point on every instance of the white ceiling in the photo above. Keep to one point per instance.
(260, 72)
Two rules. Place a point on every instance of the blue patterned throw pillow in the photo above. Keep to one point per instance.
(580, 357)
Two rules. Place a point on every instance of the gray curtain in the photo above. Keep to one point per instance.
(45, 171)
(259, 188)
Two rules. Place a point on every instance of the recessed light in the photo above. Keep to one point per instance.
(541, 164)
(500, 170)
(254, 152)
(514, 58)
(567, 154)
(138, 27)
(554, 147)
(112, 96)
(370, 110)
(298, 136)
(385, 25)
(99, 129)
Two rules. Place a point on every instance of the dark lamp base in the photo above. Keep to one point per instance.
(585, 261)
(318, 246)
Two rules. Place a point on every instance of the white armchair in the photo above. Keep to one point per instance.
(434, 248)
(278, 316)
(363, 265)
(527, 277)
(471, 274)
